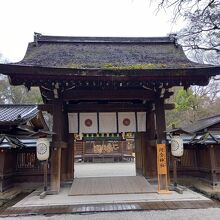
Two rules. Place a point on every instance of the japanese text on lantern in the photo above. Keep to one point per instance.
(161, 159)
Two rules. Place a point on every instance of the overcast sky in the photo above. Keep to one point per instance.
(21, 18)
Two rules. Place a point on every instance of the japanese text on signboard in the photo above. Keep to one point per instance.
(161, 159)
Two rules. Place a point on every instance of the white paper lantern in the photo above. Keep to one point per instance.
(177, 146)
(43, 149)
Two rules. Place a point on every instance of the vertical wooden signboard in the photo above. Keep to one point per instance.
(162, 169)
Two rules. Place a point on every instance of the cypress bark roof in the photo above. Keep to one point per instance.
(106, 53)
(156, 61)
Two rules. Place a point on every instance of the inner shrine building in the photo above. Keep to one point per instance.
(106, 85)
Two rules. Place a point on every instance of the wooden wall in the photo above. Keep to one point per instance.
(145, 155)
(28, 167)
(19, 166)
(200, 161)
(7, 169)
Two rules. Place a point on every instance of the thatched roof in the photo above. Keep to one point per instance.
(106, 53)
(158, 60)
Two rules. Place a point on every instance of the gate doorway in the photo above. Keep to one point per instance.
(134, 155)
(105, 156)
(111, 166)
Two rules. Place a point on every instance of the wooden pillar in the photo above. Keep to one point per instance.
(64, 151)
(2, 166)
(150, 148)
(160, 121)
(145, 146)
(57, 143)
(70, 158)
(145, 158)
(213, 165)
(138, 154)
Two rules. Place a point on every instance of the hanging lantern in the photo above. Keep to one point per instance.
(177, 146)
(43, 149)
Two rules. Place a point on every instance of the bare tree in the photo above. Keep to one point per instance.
(16, 94)
(201, 36)
(200, 40)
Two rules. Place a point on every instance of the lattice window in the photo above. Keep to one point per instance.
(27, 160)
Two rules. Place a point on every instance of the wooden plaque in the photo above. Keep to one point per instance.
(161, 159)
(162, 169)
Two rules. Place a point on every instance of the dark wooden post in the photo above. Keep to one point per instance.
(150, 148)
(57, 142)
(45, 175)
(64, 152)
(175, 172)
(70, 158)
(143, 137)
(2, 166)
(213, 165)
(160, 120)
(161, 134)
(139, 156)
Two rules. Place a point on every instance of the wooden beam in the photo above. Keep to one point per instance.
(93, 95)
(110, 107)
(132, 94)
(45, 107)
(169, 106)
(113, 107)
(35, 74)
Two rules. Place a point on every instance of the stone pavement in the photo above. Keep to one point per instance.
(91, 204)
(64, 204)
(63, 199)
(180, 214)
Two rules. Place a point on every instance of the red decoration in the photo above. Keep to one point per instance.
(88, 122)
(126, 122)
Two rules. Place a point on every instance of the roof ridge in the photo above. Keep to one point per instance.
(199, 124)
(213, 116)
(18, 105)
(23, 115)
(87, 39)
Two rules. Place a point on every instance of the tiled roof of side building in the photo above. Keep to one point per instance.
(17, 114)
(202, 124)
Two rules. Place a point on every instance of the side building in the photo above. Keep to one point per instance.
(201, 151)
(19, 126)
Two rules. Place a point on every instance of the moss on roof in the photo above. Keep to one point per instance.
(110, 66)
(107, 55)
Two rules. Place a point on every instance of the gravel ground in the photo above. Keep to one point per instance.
(104, 169)
(181, 214)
